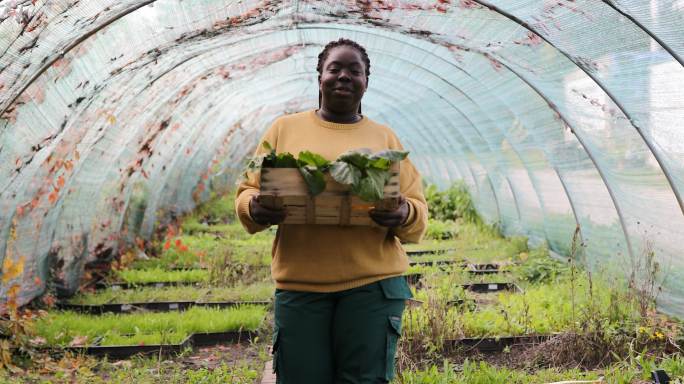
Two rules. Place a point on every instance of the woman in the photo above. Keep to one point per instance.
(339, 290)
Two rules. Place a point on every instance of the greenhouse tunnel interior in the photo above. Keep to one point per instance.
(117, 116)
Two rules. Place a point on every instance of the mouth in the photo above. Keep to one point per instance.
(342, 90)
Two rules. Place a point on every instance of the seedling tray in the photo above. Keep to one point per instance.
(474, 269)
(194, 340)
(491, 287)
(125, 351)
(494, 344)
(432, 262)
(157, 306)
(123, 285)
(485, 269)
(419, 252)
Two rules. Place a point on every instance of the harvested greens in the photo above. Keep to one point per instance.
(365, 172)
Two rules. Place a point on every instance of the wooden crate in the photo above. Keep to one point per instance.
(285, 187)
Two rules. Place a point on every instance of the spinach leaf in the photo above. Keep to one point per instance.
(345, 173)
(367, 173)
(313, 159)
(315, 181)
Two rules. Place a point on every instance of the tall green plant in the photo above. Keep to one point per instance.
(452, 203)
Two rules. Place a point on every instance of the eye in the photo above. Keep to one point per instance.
(356, 72)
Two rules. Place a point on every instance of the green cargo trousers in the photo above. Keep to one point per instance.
(340, 337)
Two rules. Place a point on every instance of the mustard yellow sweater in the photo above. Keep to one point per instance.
(330, 258)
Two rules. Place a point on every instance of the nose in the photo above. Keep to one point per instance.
(343, 75)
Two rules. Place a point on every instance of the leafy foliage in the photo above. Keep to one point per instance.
(441, 230)
(541, 268)
(366, 172)
(451, 204)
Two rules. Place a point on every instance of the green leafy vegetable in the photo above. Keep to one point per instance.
(367, 173)
(314, 178)
(364, 171)
(312, 159)
(345, 173)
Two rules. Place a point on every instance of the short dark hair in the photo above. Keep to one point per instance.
(337, 43)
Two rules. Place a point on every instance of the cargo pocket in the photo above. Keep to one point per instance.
(276, 350)
(393, 333)
(396, 288)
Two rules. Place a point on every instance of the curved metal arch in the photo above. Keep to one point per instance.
(646, 30)
(465, 142)
(365, 32)
(515, 150)
(472, 174)
(459, 164)
(591, 157)
(261, 35)
(513, 191)
(163, 181)
(448, 122)
(617, 103)
(69, 47)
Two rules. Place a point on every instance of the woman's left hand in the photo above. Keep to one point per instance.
(393, 218)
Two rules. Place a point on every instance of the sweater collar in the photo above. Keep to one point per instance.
(331, 125)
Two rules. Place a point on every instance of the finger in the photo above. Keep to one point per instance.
(385, 215)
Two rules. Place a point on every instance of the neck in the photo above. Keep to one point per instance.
(338, 117)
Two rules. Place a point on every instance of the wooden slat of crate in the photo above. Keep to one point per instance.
(285, 187)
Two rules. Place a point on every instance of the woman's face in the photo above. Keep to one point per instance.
(343, 80)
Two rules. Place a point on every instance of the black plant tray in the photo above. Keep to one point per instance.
(474, 269)
(419, 252)
(413, 279)
(491, 287)
(194, 340)
(157, 306)
(124, 351)
(122, 285)
(494, 344)
(190, 268)
(213, 338)
(485, 269)
(432, 263)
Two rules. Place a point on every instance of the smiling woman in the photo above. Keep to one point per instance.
(343, 81)
(339, 290)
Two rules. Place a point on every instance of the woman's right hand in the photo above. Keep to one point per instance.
(263, 215)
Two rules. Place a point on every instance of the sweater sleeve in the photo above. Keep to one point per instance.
(249, 186)
(411, 187)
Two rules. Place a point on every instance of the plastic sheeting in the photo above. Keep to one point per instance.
(118, 115)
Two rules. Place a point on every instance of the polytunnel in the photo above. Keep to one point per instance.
(116, 116)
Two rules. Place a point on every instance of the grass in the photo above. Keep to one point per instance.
(557, 298)
(441, 230)
(62, 328)
(201, 250)
(542, 308)
(261, 291)
(473, 372)
(158, 275)
(475, 243)
(235, 365)
(483, 373)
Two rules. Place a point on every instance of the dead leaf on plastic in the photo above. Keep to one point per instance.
(12, 269)
(79, 341)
